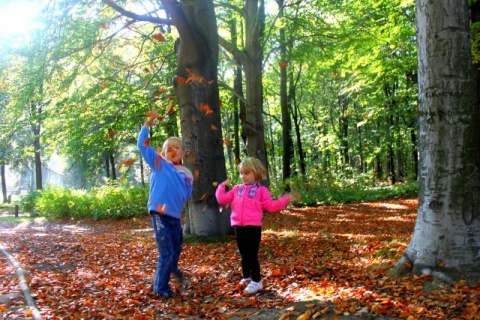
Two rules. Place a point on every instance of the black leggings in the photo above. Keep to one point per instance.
(248, 242)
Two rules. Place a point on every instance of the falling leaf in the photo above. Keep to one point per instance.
(180, 80)
(162, 89)
(215, 183)
(126, 163)
(196, 174)
(204, 107)
(159, 37)
(104, 84)
(283, 64)
(111, 133)
(171, 110)
(227, 141)
(202, 197)
(192, 77)
(213, 127)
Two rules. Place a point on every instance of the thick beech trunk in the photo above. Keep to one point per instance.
(196, 87)
(446, 239)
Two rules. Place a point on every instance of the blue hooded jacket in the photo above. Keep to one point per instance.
(170, 184)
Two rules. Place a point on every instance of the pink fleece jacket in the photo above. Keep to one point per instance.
(248, 202)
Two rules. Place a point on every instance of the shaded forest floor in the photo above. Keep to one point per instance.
(327, 262)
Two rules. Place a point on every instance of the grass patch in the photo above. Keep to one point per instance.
(7, 208)
(20, 219)
(7, 215)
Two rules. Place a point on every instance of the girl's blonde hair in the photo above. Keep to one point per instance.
(254, 165)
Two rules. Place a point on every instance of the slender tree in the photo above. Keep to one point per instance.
(251, 58)
(285, 104)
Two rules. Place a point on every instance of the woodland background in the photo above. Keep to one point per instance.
(79, 88)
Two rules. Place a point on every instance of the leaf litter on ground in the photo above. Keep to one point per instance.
(326, 262)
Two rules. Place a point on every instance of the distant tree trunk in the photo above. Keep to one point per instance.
(111, 158)
(4, 183)
(107, 164)
(251, 58)
(36, 127)
(343, 130)
(238, 104)
(297, 119)
(446, 238)
(285, 105)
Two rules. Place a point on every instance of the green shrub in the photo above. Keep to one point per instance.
(313, 194)
(115, 202)
(119, 202)
(28, 202)
(63, 203)
(107, 202)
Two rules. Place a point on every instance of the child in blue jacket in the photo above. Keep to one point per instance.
(170, 188)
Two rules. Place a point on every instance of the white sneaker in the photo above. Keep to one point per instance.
(253, 287)
(244, 281)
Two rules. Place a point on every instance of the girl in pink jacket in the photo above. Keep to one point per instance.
(248, 202)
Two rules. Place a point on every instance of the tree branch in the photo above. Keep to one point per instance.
(137, 17)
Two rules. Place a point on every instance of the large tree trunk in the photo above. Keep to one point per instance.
(196, 88)
(446, 238)
(197, 92)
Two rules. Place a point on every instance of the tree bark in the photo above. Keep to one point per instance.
(253, 127)
(446, 238)
(198, 98)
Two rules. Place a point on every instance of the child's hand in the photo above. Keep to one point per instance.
(226, 183)
(152, 116)
(294, 196)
